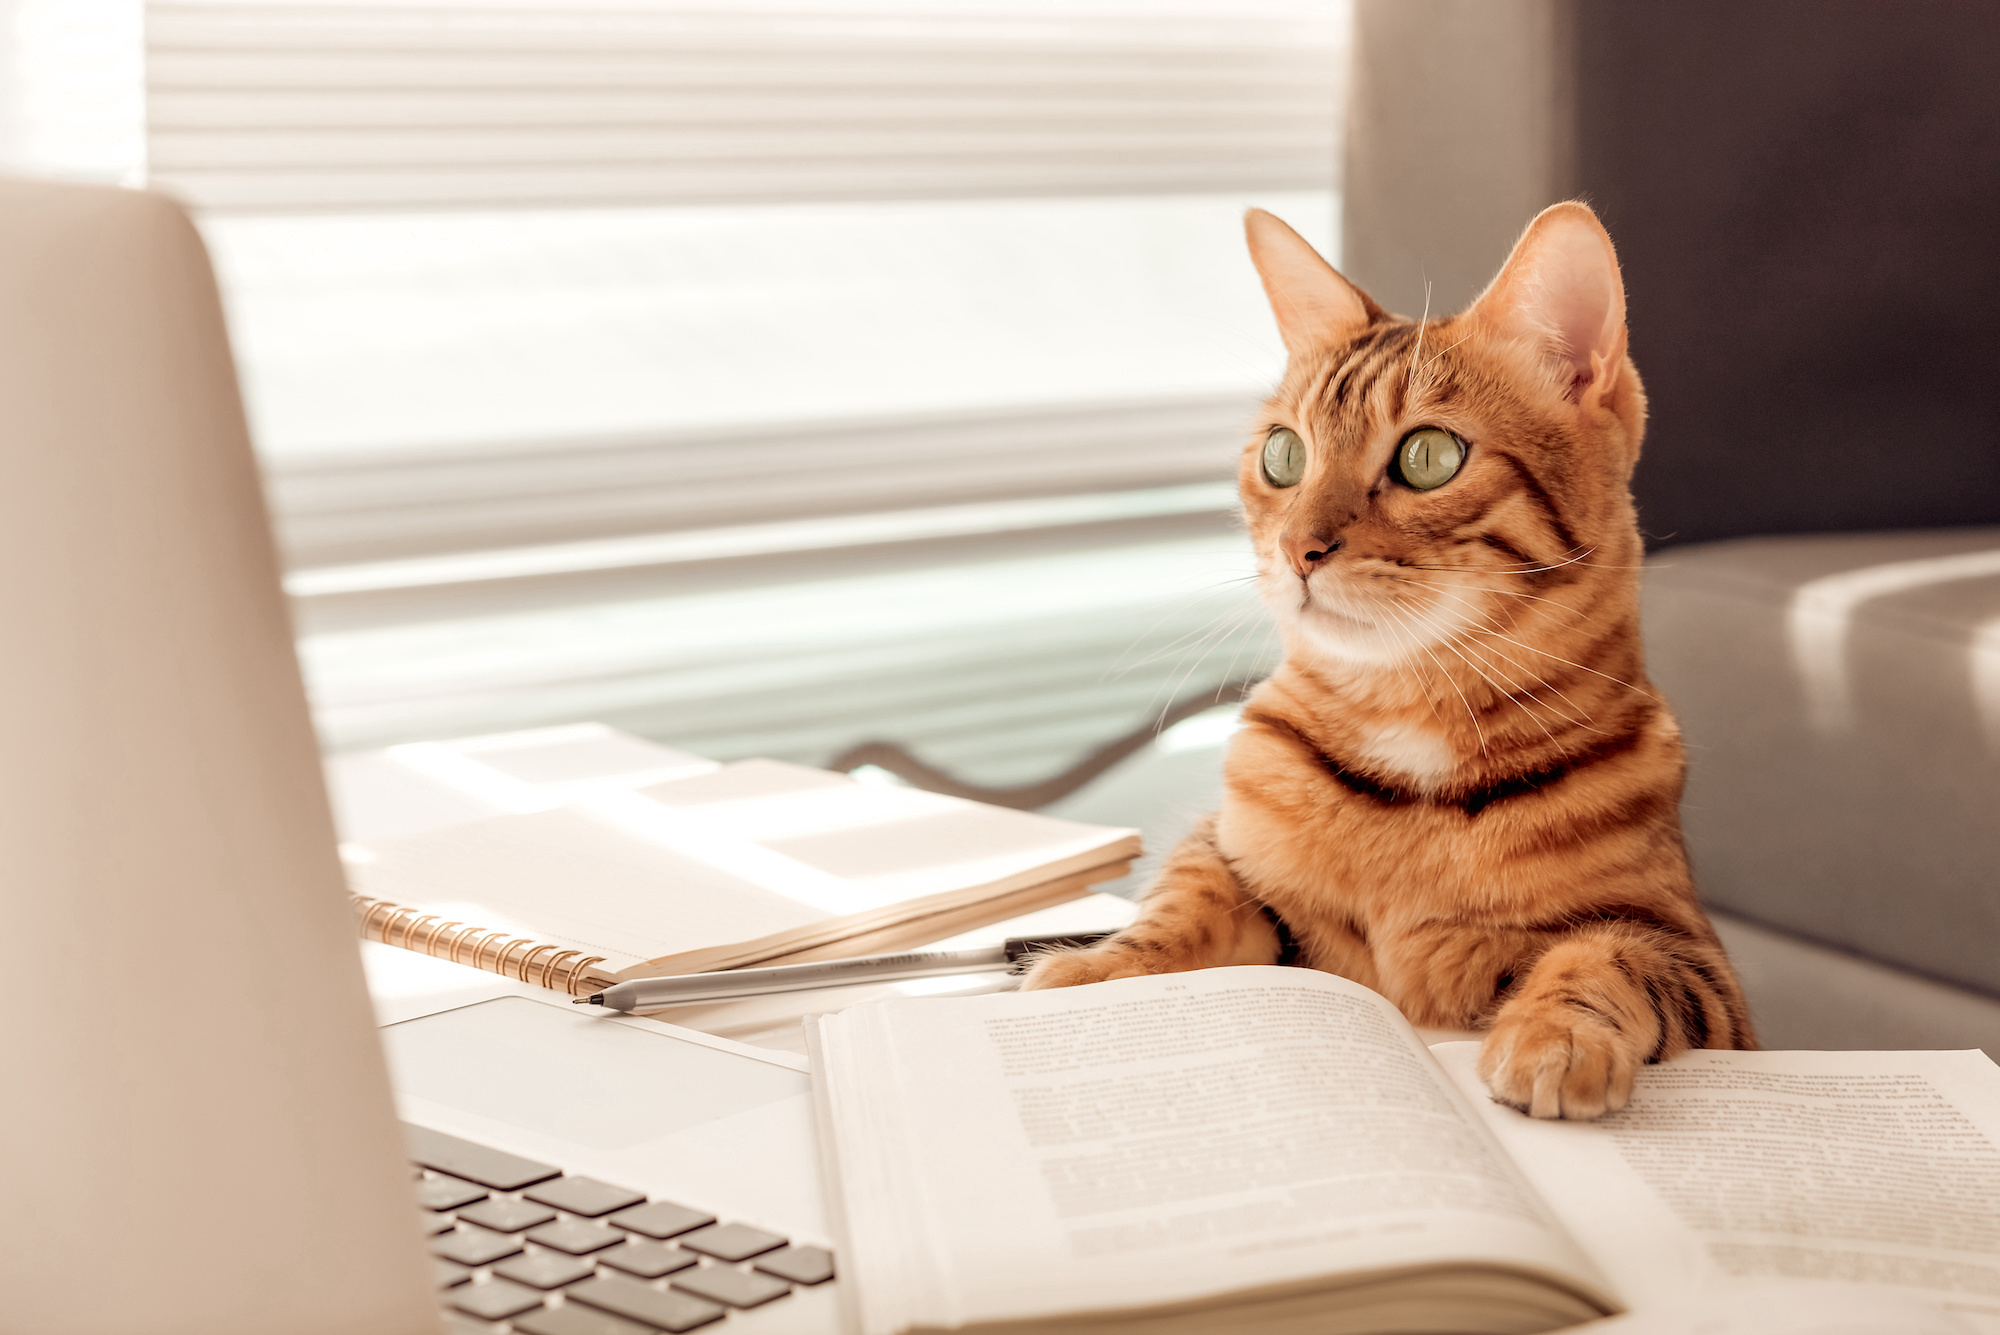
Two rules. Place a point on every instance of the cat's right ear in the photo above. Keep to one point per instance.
(1313, 303)
(1560, 294)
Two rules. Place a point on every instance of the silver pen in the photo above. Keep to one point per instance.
(647, 993)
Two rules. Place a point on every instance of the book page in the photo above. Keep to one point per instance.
(1153, 1140)
(1875, 1168)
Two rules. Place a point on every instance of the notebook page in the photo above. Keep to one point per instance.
(717, 857)
(1154, 1140)
(572, 879)
(1866, 1167)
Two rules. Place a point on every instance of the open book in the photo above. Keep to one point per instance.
(1273, 1149)
(712, 867)
(1792, 1307)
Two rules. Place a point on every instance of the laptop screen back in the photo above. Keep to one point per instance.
(187, 1041)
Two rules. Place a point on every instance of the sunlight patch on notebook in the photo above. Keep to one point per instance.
(968, 834)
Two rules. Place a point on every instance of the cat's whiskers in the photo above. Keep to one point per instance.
(1458, 594)
(1505, 692)
(1181, 683)
(1214, 630)
(1416, 669)
(1545, 684)
(1187, 641)
(1236, 653)
(1410, 381)
(1212, 633)
(1422, 377)
(1120, 666)
(1458, 642)
(1433, 361)
(1579, 666)
(1541, 683)
(1510, 691)
(1390, 620)
(1578, 559)
(1488, 626)
(1471, 715)
(1510, 593)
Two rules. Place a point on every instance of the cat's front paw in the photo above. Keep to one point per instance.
(1073, 968)
(1555, 1060)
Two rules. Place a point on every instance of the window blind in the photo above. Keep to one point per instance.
(342, 508)
(277, 106)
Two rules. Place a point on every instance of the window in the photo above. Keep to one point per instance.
(765, 378)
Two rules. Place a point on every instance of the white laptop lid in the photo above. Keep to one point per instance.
(197, 1134)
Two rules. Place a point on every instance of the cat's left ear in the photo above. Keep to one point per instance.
(1313, 303)
(1561, 292)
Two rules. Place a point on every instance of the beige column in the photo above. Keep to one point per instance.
(1458, 133)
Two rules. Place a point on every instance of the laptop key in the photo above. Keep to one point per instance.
(432, 1224)
(629, 1298)
(571, 1319)
(447, 1193)
(732, 1242)
(476, 1163)
(474, 1246)
(448, 1273)
(661, 1219)
(726, 1284)
(801, 1265)
(544, 1270)
(584, 1195)
(505, 1216)
(494, 1299)
(576, 1237)
(648, 1260)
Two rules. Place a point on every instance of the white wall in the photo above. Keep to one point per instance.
(72, 89)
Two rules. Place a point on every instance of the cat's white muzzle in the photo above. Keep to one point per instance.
(1355, 626)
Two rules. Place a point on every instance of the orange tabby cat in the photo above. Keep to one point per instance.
(1459, 788)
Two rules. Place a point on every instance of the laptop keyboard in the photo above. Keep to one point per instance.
(520, 1246)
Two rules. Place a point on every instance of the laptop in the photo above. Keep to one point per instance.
(690, 1165)
(202, 1131)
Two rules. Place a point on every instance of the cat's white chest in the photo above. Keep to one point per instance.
(1417, 755)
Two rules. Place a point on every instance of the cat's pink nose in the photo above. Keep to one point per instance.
(1305, 552)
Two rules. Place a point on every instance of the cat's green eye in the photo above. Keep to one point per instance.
(1429, 458)
(1284, 457)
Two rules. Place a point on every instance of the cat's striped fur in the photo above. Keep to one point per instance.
(1459, 788)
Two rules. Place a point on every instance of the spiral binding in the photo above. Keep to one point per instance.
(484, 948)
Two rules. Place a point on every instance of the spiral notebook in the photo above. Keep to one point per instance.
(716, 867)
